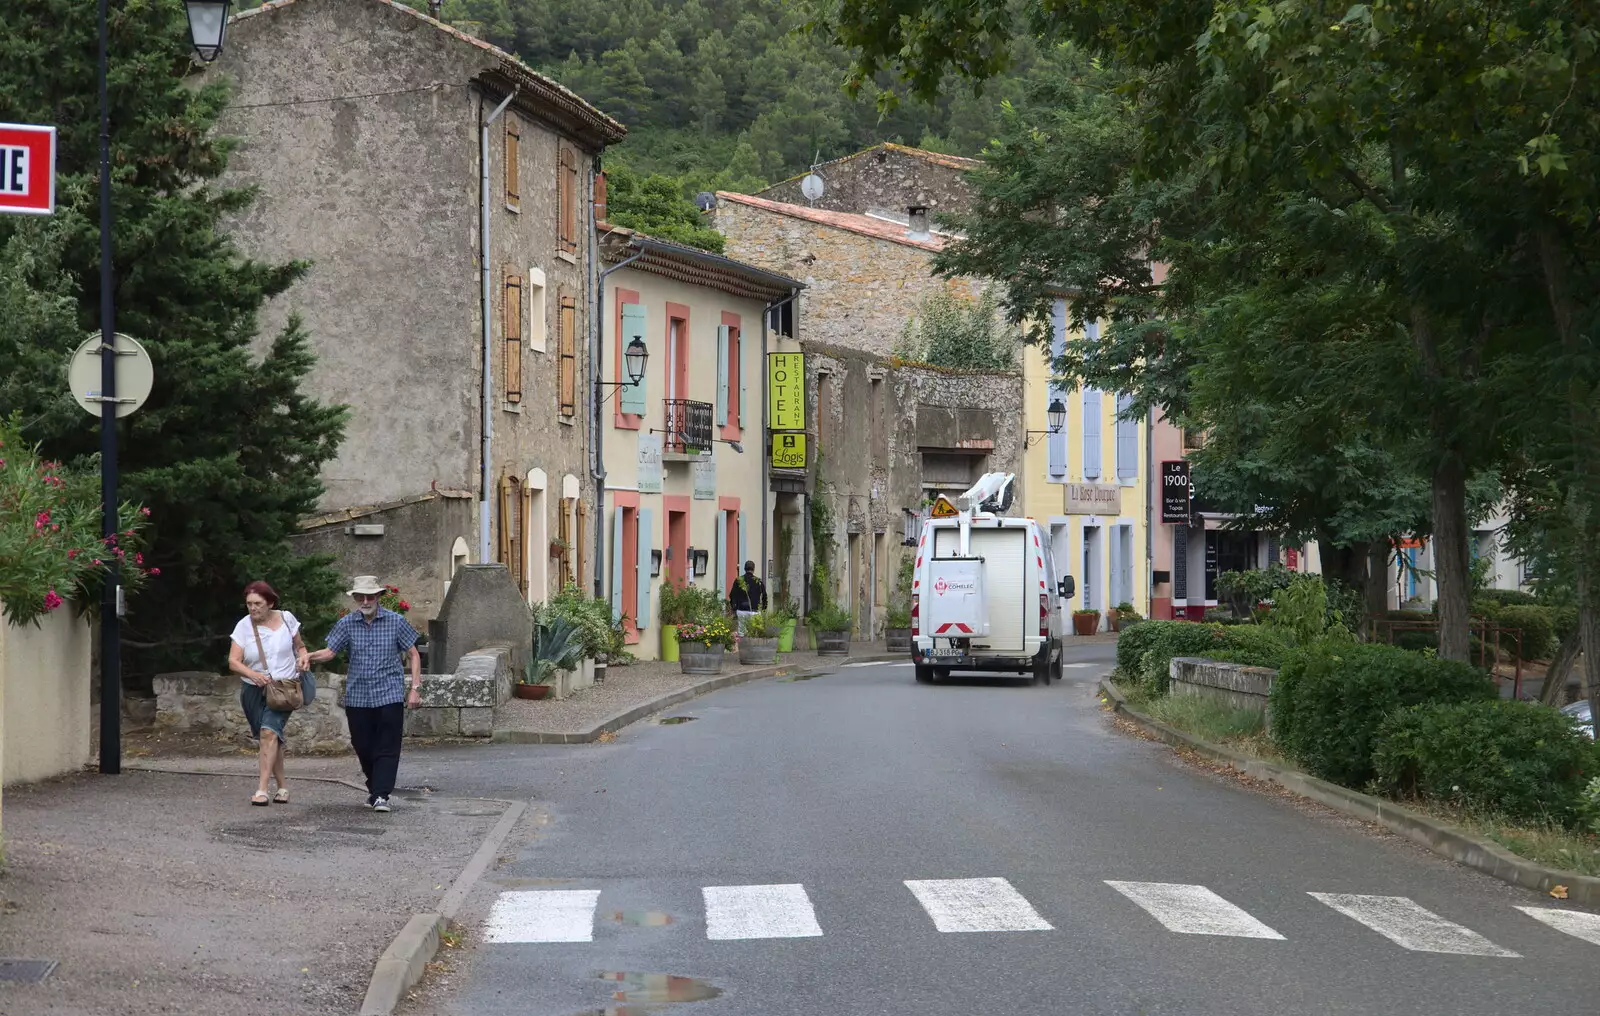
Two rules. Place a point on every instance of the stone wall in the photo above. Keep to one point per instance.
(886, 177)
(453, 705)
(1233, 683)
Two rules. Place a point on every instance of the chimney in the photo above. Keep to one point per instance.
(600, 197)
(918, 216)
(435, 8)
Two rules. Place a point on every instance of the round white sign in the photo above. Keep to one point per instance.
(135, 376)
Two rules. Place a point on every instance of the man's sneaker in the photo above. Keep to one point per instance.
(370, 800)
(380, 804)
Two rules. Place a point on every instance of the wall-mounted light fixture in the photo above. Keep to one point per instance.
(702, 560)
(655, 564)
(1055, 417)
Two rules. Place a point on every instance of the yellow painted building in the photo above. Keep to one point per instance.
(1087, 482)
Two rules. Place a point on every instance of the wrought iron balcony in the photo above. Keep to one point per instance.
(688, 429)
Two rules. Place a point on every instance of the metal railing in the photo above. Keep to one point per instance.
(688, 426)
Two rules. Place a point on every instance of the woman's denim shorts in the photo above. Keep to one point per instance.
(254, 701)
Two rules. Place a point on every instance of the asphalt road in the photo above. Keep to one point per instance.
(951, 850)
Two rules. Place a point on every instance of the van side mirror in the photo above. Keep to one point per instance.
(1066, 587)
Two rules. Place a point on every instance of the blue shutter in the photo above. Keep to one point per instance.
(1056, 444)
(616, 563)
(1091, 434)
(719, 569)
(744, 544)
(744, 394)
(1114, 581)
(722, 375)
(641, 619)
(633, 327)
(1127, 441)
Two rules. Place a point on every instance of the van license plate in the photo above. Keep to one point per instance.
(946, 652)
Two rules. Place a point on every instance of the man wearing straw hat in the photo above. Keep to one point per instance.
(375, 695)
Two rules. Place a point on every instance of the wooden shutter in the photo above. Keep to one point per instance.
(513, 161)
(564, 534)
(513, 335)
(582, 566)
(567, 341)
(512, 521)
(567, 188)
(505, 514)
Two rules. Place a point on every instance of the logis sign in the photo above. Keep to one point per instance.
(27, 169)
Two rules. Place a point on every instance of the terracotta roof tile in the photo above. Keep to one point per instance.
(960, 162)
(866, 225)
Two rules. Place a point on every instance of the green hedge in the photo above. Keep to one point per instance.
(1538, 626)
(1506, 597)
(1330, 698)
(1520, 760)
(1145, 652)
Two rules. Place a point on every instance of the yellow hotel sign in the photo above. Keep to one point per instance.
(786, 391)
(788, 451)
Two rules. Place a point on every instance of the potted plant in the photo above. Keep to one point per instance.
(1122, 615)
(1085, 622)
(897, 629)
(677, 607)
(758, 641)
(702, 643)
(555, 647)
(558, 547)
(787, 618)
(832, 624)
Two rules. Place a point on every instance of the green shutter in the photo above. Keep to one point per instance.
(641, 619)
(633, 327)
(722, 375)
(719, 567)
(744, 545)
(744, 394)
(616, 563)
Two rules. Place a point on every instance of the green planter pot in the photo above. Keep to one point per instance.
(669, 643)
(811, 637)
(786, 637)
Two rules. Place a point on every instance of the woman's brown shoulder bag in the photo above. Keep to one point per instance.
(283, 696)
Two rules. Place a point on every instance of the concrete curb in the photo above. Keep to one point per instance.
(156, 768)
(404, 961)
(1440, 837)
(635, 713)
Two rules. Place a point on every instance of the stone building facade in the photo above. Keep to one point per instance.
(359, 122)
(885, 178)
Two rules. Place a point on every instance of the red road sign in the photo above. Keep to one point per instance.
(27, 169)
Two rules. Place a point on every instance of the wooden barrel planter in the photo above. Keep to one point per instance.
(833, 643)
(699, 658)
(898, 639)
(758, 652)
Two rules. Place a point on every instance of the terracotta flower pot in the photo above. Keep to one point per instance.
(1086, 624)
(530, 691)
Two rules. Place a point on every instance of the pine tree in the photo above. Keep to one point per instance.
(227, 451)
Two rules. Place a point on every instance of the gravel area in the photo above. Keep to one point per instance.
(166, 893)
(636, 684)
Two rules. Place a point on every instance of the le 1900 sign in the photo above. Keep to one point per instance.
(1175, 490)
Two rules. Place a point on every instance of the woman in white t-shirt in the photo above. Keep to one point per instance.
(276, 633)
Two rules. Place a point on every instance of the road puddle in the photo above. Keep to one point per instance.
(642, 918)
(676, 719)
(638, 989)
(802, 677)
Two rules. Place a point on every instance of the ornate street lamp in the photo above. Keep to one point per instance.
(1055, 416)
(636, 357)
(208, 23)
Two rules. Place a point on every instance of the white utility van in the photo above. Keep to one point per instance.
(984, 593)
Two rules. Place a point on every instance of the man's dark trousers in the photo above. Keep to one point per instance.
(375, 734)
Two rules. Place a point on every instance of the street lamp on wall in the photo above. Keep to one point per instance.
(1055, 417)
(634, 358)
(208, 23)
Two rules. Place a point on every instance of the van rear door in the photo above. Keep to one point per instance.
(1004, 551)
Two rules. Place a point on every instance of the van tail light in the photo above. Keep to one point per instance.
(916, 614)
(1044, 614)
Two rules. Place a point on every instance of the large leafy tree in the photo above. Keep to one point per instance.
(1422, 127)
(227, 451)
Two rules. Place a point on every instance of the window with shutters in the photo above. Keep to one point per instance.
(512, 311)
(567, 343)
(567, 191)
(513, 163)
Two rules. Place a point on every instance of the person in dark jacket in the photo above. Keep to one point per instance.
(748, 594)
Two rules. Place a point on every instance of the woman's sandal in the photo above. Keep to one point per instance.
(260, 799)
(282, 796)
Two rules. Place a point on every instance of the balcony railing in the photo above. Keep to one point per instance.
(688, 427)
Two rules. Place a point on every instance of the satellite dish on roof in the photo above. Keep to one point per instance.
(812, 187)
(705, 201)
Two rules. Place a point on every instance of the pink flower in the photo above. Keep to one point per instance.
(155, 571)
(145, 512)
(41, 520)
(51, 600)
(404, 605)
(72, 553)
(138, 559)
(97, 562)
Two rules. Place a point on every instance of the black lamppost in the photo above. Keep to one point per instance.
(208, 22)
(634, 358)
(1055, 417)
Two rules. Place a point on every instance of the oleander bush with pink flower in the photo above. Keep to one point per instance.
(51, 550)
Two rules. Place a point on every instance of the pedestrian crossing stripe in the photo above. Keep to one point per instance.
(991, 905)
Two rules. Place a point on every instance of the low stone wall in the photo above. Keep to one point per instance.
(453, 705)
(1239, 686)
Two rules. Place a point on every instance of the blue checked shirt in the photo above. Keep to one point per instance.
(377, 677)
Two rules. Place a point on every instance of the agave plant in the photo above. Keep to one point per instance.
(557, 645)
